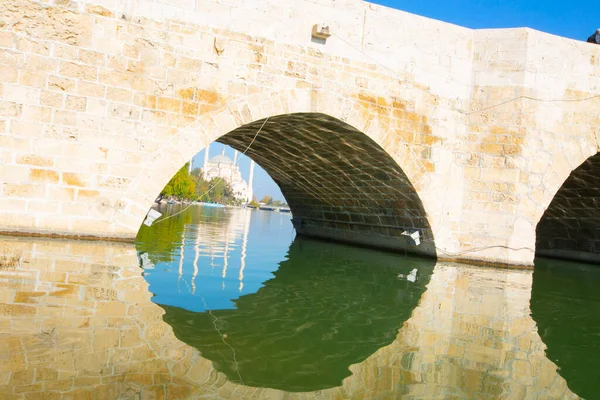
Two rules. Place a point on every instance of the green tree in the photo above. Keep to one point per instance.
(181, 185)
(254, 203)
(202, 186)
(266, 199)
(217, 190)
(221, 191)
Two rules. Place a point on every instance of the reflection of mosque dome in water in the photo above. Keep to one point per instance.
(223, 159)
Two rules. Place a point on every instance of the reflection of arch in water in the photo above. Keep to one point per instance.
(564, 304)
(328, 307)
(445, 350)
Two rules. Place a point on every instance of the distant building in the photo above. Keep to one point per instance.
(227, 169)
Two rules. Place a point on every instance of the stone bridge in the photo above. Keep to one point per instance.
(393, 124)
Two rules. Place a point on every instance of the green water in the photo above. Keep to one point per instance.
(565, 303)
(274, 311)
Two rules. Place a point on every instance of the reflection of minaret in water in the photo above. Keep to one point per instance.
(197, 250)
(250, 179)
(244, 247)
(181, 253)
(225, 262)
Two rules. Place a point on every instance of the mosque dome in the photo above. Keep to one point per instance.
(223, 159)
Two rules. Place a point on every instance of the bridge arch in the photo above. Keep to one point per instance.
(570, 225)
(339, 163)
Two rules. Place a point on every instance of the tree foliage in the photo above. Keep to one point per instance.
(266, 200)
(181, 186)
(216, 190)
(185, 186)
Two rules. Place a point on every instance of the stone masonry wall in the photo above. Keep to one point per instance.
(101, 103)
(102, 107)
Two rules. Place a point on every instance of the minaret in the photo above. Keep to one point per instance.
(205, 167)
(235, 157)
(190, 166)
(250, 179)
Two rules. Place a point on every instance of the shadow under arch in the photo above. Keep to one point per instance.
(570, 227)
(373, 125)
(339, 183)
(328, 307)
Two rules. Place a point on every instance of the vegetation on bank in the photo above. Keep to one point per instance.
(184, 186)
(268, 200)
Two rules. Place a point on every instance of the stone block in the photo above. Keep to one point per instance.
(43, 175)
(23, 190)
(62, 84)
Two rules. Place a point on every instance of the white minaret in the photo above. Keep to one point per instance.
(235, 157)
(190, 166)
(250, 179)
(205, 166)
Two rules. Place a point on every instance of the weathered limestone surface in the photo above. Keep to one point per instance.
(76, 321)
(101, 102)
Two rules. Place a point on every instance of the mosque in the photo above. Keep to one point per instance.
(223, 167)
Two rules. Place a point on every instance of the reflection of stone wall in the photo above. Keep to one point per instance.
(471, 337)
(76, 321)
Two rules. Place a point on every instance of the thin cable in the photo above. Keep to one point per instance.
(527, 98)
(220, 178)
(237, 368)
(457, 109)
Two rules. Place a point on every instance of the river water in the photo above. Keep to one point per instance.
(228, 303)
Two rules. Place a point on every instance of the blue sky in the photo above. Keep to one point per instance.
(573, 19)
(576, 20)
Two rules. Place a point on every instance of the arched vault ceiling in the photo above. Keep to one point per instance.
(570, 227)
(335, 177)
